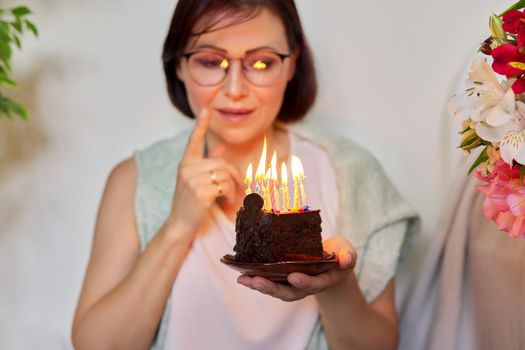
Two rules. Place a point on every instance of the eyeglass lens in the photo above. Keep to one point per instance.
(210, 68)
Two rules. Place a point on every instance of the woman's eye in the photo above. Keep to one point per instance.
(261, 63)
(212, 62)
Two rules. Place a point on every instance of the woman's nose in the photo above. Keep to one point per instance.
(235, 84)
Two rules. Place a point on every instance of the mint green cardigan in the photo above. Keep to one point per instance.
(368, 203)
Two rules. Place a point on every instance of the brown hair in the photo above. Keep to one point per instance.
(301, 89)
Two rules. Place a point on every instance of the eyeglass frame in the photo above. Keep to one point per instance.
(188, 55)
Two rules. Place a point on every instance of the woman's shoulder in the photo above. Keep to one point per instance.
(167, 146)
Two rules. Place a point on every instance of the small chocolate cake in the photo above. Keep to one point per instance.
(265, 237)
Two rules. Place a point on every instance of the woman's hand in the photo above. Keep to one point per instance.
(302, 284)
(200, 181)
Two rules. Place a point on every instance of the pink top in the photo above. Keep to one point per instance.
(209, 310)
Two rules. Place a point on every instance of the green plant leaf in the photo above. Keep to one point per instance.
(5, 52)
(18, 26)
(8, 107)
(483, 157)
(19, 109)
(4, 109)
(5, 32)
(32, 27)
(522, 173)
(16, 39)
(6, 81)
(20, 11)
(517, 6)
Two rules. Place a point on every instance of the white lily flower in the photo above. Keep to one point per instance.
(489, 103)
(512, 147)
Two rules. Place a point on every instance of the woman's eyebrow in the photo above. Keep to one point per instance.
(207, 46)
(262, 48)
(216, 48)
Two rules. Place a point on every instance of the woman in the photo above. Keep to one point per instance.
(244, 70)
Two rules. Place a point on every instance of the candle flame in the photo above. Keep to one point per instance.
(259, 175)
(249, 172)
(284, 174)
(274, 166)
(297, 168)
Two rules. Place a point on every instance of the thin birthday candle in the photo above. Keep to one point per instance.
(300, 178)
(284, 187)
(274, 183)
(267, 197)
(248, 179)
(259, 175)
(295, 175)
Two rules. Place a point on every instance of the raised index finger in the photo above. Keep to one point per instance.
(196, 141)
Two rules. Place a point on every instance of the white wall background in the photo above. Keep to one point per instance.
(94, 86)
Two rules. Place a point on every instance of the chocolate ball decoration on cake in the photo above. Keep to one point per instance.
(267, 229)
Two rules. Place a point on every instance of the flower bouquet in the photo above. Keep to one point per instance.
(492, 111)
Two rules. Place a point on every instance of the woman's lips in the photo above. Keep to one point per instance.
(235, 115)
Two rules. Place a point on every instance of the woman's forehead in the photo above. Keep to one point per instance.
(244, 31)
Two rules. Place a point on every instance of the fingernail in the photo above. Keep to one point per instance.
(258, 286)
(295, 280)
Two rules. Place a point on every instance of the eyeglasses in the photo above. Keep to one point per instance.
(260, 68)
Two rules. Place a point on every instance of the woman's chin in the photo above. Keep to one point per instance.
(236, 138)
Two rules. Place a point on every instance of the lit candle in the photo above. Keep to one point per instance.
(248, 179)
(274, 182)
(284, 187)
(300, 178)
(267, 197)
(259, 175)
(295, 174)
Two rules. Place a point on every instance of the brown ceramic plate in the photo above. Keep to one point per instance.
(278, 271)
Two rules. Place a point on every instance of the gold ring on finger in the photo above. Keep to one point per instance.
(213, 177)
(219, 189)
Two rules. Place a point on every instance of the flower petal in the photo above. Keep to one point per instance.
(505, 221)
(518, 227)
(510, 144)
(520, 153)
(490, 210)
(458, 107)
(498, 115)
(491, 133)
(502, 56)
(480, 71)
(519, 86)
(516, 204)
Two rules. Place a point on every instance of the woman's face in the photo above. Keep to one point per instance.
(240, 111)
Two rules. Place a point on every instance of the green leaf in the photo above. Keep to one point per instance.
(5, 62)
(4, 109)
(20, 11)
(16, 39)
(8, 107)
(522, 173)
(517, 6)
(32, 27)
(6, 81)
(483, 157)
(5, 52)
(5, 32)
(18, 26)
(19, 109)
